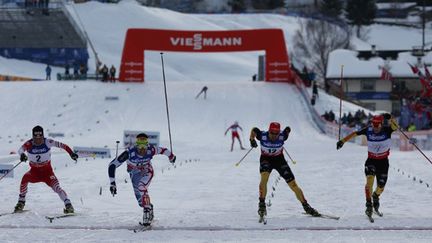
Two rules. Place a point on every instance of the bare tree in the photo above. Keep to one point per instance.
(313, 42)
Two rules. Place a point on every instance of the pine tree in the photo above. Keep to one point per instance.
(331, 8)
(360, 12)
(237, 6)
(268, 4)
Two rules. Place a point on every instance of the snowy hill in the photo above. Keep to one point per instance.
(205, 198)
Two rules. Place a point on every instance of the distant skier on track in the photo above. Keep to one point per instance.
(234, 134)
(378, 135)
(140, 170)
(39, 155)
(272, 157)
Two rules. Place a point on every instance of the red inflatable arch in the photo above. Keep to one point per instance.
(272, 41)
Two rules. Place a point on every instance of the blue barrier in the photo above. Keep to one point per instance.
(52, 56)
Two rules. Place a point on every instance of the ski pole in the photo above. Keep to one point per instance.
(415, 145)
(117, 143)
(166, 101)
(3, 176)
(340, 102)
(238, 163)
(292, 161)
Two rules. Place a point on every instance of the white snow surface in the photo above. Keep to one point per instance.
(205, 197)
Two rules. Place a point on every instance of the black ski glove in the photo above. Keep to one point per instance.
(113, 188)
(172, 159)
(253, 143)
(23, 157)
(74, 156)
(287, 130)
(339, 144)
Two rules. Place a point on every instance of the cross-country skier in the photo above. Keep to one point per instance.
(378, 135)
(39, 154)
(140, 170)
(272, 157)
(234, 134)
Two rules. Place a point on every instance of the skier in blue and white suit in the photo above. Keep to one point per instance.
(140, 170)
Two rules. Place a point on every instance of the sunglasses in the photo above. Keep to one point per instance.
(141, 143)
(38, 135)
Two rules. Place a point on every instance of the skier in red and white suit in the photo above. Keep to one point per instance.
(234, 134)
(39, 154)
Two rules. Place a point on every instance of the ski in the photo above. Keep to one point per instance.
(10, 213)
(53, 217)
(324, 216)
(142, 227)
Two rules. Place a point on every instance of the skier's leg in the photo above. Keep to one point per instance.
(381, 175)
(51, 180)
(232, 144)
(262, 210)
(28, 177)
(263, 184)
(370, 172)
(241, 146)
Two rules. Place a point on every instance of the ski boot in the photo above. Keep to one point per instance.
(262, 211)
(376, 204)
(68, 209)
(19, 207)
(310, 210)
(368, 211)
(148, 215)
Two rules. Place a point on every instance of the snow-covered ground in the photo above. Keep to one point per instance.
(204, 198)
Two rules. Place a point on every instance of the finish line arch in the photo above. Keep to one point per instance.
(272, 41)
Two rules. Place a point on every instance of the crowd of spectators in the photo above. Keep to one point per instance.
(79, 72)
(416, 114)
(31, 5)
(358, 120)
(106, 75)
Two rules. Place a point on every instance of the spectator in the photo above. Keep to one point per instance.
(411, 127)
(67, 70)
(315, 89)
(75, 71)
(48, 72)
(112, 73)
(104, 73)
(83, 71)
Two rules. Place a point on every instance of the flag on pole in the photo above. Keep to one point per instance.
(385, 74)
(427, 88)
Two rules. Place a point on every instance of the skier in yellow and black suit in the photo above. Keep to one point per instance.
(272, 157)
(378, 135)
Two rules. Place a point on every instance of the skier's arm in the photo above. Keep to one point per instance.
(53, 143)
(255, 133)
(393, 124)
(286, 132)
(25, 147)
(227, 130)
(116, 163)
(167, 152)
(341, 142)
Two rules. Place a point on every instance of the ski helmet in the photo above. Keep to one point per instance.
(37, 131)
